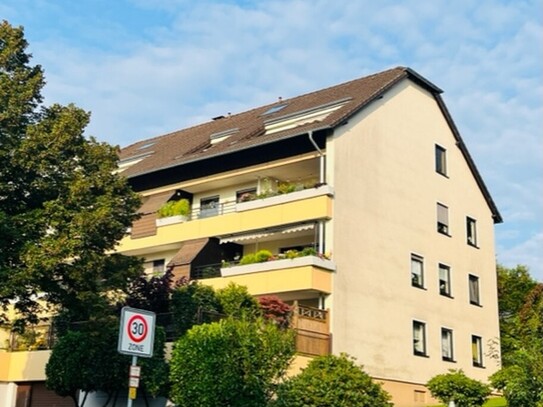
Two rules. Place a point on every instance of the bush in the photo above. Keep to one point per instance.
(263, 256)
(456, 386)
(248, 259)
(331, 381)
(175, 208)
(236, 301)
(274, 309)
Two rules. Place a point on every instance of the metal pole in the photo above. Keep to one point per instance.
(134, 363)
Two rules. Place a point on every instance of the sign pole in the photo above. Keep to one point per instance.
(129, 400)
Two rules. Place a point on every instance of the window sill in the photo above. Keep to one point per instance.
(448, 360)
(479, 366)
(442, 174)
(444, 233)
(447, 296)
(474, 245)
(420, 287)
(476, 304)
(422, 355)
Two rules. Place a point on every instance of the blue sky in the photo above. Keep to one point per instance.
(147, 67)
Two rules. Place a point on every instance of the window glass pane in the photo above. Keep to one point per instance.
(474, 289)
(209, 207)
(477, 351)
(444, 280)
(441, 160)
(446, 344)
(471, 230)
(419, 339)
(416, 271)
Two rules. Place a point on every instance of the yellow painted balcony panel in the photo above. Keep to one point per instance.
(305, 274)
(245, 218)
(23, 366)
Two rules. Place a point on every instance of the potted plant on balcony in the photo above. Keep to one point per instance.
(173, 212)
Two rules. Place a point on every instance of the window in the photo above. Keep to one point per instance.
(417, 272)
(419, 338)
(441, 160)
(245, 195)
(477, 351)
(209, 207)
(158, 266)
(442, 219)
(474, 290)
(444, 280)
(471, 231)
(447, 344)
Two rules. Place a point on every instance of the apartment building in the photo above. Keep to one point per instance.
(372, 179)
(379, 225)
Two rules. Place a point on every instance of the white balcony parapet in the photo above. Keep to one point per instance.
(284, 198)
(171, 220)
(278, 265)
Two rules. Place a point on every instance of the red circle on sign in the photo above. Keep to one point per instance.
(134, 328)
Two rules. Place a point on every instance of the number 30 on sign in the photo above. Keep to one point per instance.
(136, 332)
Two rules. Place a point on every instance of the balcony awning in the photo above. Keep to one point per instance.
(267, 233)
(299, 228)
(250, 236)
(188, 251)
(152, 203)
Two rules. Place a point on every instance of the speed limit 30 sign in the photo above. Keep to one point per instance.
(137, 332)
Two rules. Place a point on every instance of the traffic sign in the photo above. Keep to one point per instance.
(136, 332)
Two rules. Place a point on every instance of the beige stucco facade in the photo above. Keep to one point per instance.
(384, 211)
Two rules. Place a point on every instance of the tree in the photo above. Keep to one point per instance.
(86, 360)
(194, 303)
(521, 379)
(236, 301)
(331, 381)
(62, 205)
(274, 309)
(230, 363)
(514, 284)
(456, 386)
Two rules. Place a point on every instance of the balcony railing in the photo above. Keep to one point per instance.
(206, 271)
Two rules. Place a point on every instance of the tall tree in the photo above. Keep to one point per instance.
(62, 205)
(514, 285)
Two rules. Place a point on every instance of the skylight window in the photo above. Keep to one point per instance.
(275, 109)
(222, 135)
(146, 145)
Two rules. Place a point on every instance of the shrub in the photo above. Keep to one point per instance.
(274, 309)
(330, 381)
(456, 386)
(262, 256)
(308, 251)
(175, 208)
(248, 259)
(236, 301)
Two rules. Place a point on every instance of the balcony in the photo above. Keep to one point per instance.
(299, 278)
(231, 217)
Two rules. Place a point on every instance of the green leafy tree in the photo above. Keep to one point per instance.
(236, 301)
(456, 386)
(514, 284)
(86, 360)
(194, 303)
(332, 381)
(62, 206)
(521, 380)
(230, 363)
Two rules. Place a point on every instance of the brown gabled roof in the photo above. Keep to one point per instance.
(247, 129)
(189, 144)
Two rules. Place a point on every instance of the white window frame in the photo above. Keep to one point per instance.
(474, 281)
(440, 160)
(471, 231)
(477, 351)
(443, 219)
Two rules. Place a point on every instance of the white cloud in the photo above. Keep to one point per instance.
(208, 58)
(528, 252)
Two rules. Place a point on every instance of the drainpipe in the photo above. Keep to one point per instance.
(321, 181)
